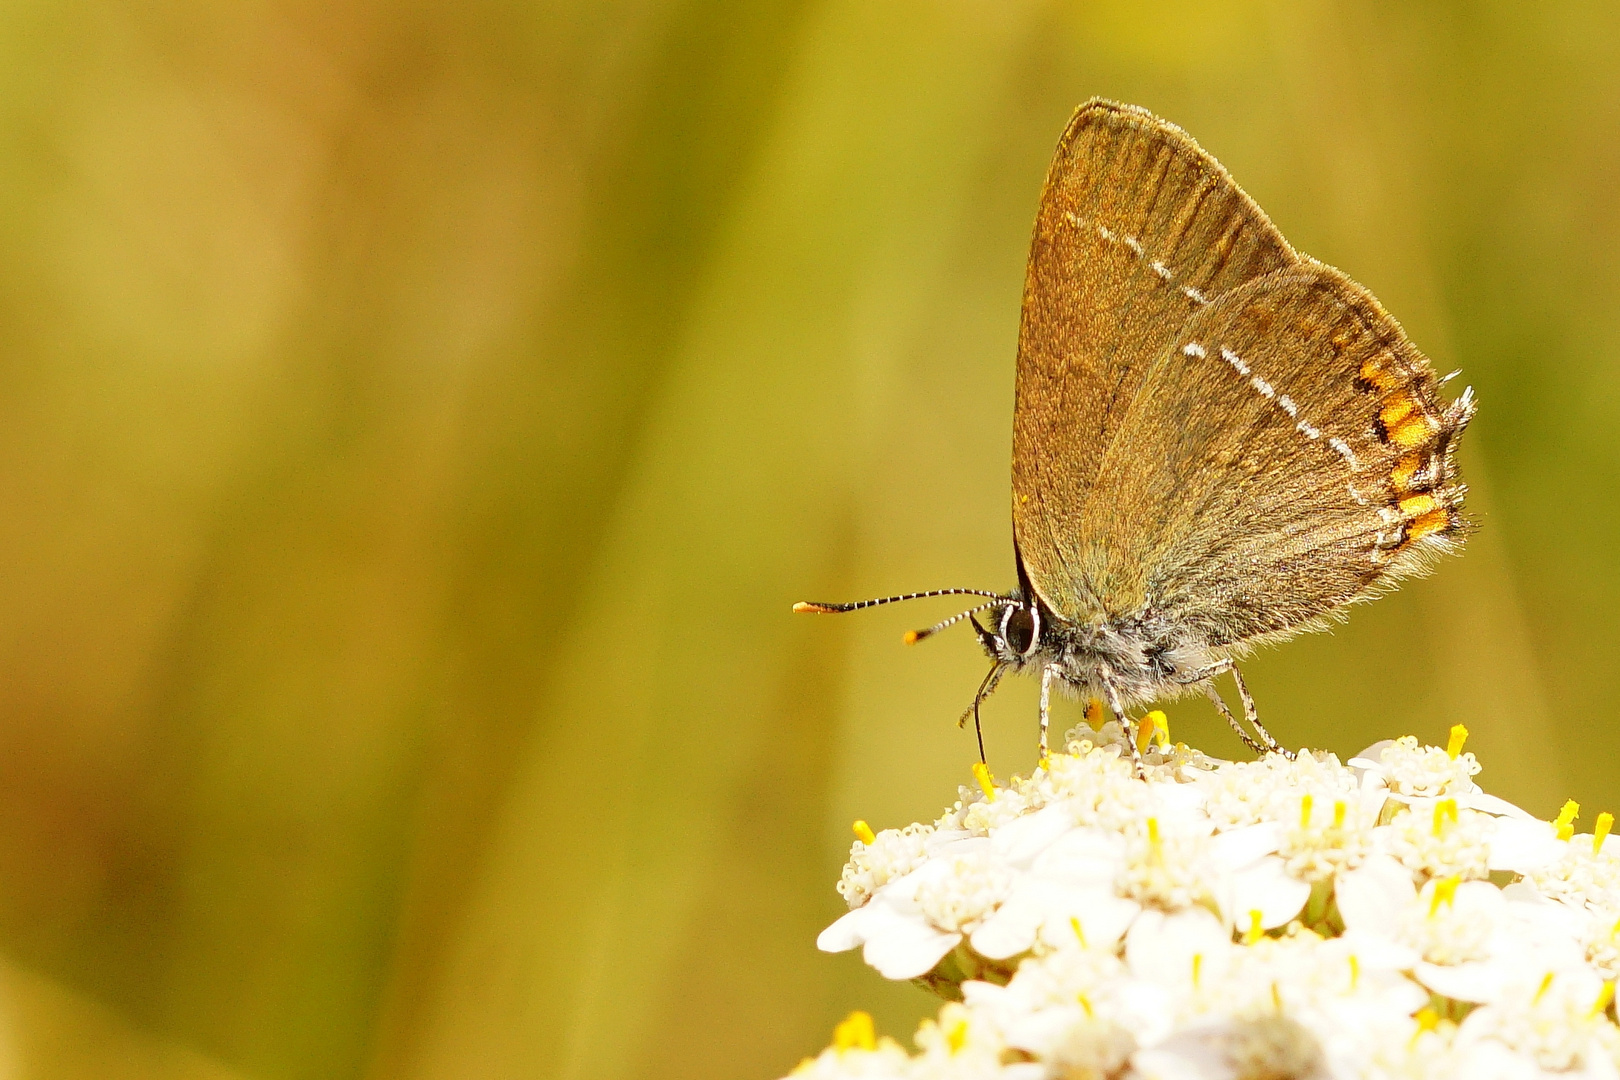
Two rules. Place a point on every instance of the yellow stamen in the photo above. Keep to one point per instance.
(1255, 931)
(1459, 736)
(1154, 727)
(1276, 996)
(1445, 808)
(1085, 1003)
(1197, 968)
(1564, 824)
(987, 783)
(1541, 991)
(1355, 971)
(1614, 931)
(855, 1033)
(1045, 764)
(1600, 831)
(864, 833)
(1445, 892)
(956, 1037)
(1079, 934)
(1155, 842)
(1605, 996)
(1305, 811)
(1161, 728)
(1339, 809)
(1094, 713)
(1427, 1020)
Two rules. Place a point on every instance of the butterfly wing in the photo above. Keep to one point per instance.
(1138, 230)
(1287, 453)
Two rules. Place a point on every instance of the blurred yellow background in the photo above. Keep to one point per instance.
(419, 417)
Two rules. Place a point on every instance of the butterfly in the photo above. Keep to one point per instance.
(1218, 442)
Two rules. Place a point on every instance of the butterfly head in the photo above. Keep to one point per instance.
(1013, 636)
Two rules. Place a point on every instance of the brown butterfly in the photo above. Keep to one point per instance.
(1218, 442)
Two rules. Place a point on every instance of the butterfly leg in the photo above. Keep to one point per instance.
(1046, 706)
(1206, 675)
(1128, 724)
(1252, 715)
(1220, 706)
(986, 688)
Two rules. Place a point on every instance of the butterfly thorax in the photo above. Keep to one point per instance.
(1136, 658)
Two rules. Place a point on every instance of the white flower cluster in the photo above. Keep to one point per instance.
(1281, 919)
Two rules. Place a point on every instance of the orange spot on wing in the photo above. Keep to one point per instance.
(1411, 433)
(1418, 505)
(1395, 410)
(1405, 469)
(1378, 373)
(1432, 522)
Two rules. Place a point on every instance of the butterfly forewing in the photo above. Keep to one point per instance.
(1138, 230)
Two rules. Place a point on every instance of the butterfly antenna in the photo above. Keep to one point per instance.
(914, 636)
(856, 605)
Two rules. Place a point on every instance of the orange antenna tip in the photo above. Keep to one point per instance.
(818, 609)
(911, 637)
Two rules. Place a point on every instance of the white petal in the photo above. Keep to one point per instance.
(1083, 856)
(1020, 840)
(1372, 757)
(1012, 928)
(905, 949)
(1488, 1059)
(1049, 908)
(982, 995)
(1490, 804)
(1197, 1052)
(953, 842)
(1375, 952)
(1266, 887)
(1481, 900)
(1177, 799)
(1143, 1004)
(902, 891)
(1522, 846)
(1478, 981)
(1240, 847)
(844, 934)
(1023, 1070)
(1372, 896)
(1527, 903)
(1103, 915)
(946, 839)
(1042, 1030)
(1161, 947)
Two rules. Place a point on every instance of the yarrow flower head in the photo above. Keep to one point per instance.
(1410, 771)
(1290, 918)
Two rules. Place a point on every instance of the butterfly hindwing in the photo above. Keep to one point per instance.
(1287, 453)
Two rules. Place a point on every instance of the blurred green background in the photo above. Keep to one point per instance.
(418, 418)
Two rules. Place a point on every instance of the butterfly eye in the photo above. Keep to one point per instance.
(1020, 630)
